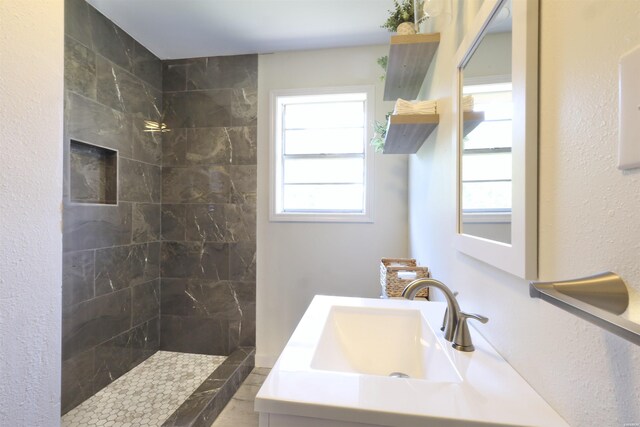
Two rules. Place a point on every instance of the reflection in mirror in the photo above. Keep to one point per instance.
(486, 163)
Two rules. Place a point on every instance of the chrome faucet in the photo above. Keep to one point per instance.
(455, 325)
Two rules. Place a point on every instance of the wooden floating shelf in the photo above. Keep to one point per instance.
(409, 60)
(407, 133)
(471, 121)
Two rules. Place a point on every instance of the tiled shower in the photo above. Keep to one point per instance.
(159, 207)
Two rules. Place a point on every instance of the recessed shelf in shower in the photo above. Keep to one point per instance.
(93, 174)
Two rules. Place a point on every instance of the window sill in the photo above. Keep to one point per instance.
(486, 218)
(321, 218)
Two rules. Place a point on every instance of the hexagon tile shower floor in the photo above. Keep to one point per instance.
(148, 394)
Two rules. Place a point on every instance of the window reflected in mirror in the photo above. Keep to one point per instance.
(486, 163)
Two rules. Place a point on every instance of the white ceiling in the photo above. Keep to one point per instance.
(193, 28)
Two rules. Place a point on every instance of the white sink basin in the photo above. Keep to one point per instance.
(367, 340)
(334, 371)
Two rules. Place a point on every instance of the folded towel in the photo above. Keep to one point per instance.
(467, 103)
(415, 107)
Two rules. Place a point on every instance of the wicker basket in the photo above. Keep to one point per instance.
(392, 285)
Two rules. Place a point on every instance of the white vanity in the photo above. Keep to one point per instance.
(335, 371)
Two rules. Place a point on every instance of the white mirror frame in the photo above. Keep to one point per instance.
(519, 258)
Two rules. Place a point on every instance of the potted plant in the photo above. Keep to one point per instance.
(379, 134)
(402, 14)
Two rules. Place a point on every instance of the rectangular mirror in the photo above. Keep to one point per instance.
(496, 136)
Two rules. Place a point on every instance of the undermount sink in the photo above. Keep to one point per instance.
(365, 340)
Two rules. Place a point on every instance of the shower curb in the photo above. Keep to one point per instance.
(209, 399)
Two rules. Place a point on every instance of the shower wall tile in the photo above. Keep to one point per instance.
(223, 72)
(111, 287)
(186, 297)
(139, 182)
(209, 201)
(146, 145)
(206, 108)
(173, 222)
(245, 327)
(207, 223)
(202, 298)
(89, 323)
(244, 141)
(201, 260)
(78, 277)
(174, 75)
(217, 223)
(243, 183)
(79, 68)
(111, 41)
(244, 107)
(77, 379)
(242, 224)
(97, 124)
(117, 356)
(197, 184)
(145, 340)
(76, 21)
(209, 146)
(147, 66)
(88, 372)
(194, 335)
(248, 217)
(112, 360)
(242, 261)
(125, 92)
(95, 226)
(174, 148)
(126, 266)
(145, 300)
(146, 222)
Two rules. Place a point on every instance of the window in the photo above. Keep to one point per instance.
(486, 180)
(321, 165)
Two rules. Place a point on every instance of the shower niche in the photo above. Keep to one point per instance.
(93, 174)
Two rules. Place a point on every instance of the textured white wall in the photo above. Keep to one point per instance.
(588, 214)
(31, 79)
(299, 260)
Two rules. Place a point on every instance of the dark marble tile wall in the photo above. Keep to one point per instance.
(112, 254)
(186, 207)
(209, 204)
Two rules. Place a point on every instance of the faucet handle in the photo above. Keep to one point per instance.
(474, 316)
(446, 312)
(462, 337)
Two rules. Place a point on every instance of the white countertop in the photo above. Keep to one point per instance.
(491, 391)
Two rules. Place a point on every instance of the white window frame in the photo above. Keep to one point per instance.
(275, 156)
